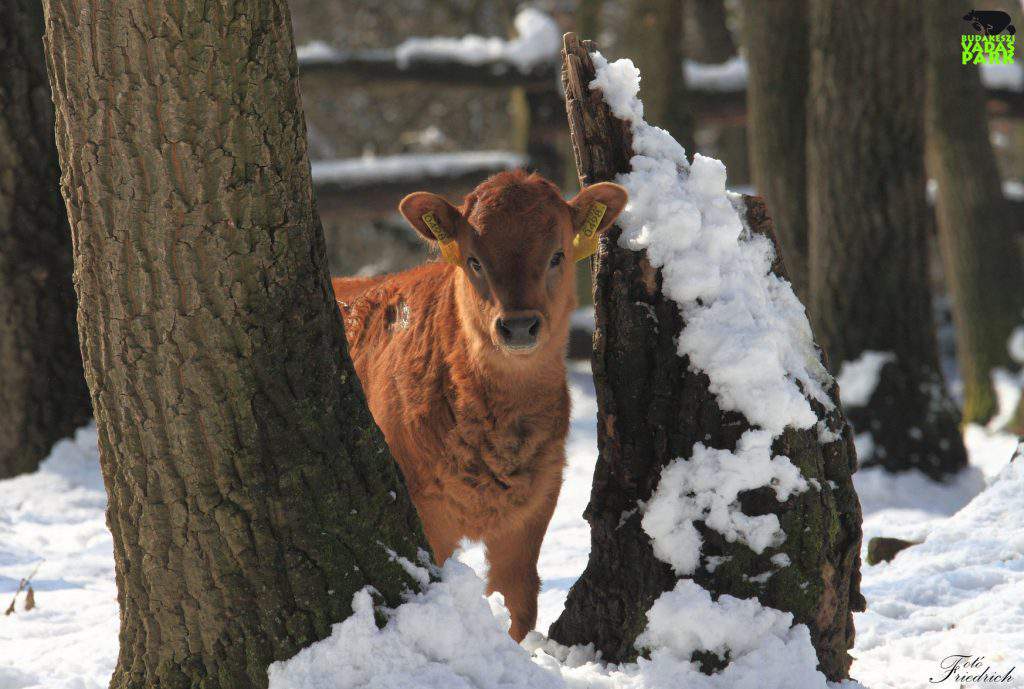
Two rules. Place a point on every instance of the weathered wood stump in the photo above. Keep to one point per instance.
(652, 409)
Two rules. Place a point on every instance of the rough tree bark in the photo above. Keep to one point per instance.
(868, 223)
(983, 266)
(43, 396)
(775, 40)
(652, 39)
(250, 493)
(652, 409)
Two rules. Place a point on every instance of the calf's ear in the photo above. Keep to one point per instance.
(594, 210)
(435, 219)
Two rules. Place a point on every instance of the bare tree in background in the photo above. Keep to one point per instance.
(250, 493)
(43, 396)
(708, 40)
(707, 31)
(776, 43)
(868, 219)
(652, 38)
(588, 17)
(977, 228)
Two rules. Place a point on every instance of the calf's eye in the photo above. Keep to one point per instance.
(557, 259)
(474, 264)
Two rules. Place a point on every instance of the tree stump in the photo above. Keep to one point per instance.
(652, 409)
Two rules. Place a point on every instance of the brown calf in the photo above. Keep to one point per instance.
(462, 361)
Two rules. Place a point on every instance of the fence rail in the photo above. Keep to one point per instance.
(717, 95)
(711, 104)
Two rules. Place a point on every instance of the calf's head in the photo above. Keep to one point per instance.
(513, 243)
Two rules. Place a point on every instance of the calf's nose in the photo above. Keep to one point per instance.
(519, 332)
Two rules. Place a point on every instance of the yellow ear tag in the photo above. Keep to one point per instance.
(584, 244)
(449, 249)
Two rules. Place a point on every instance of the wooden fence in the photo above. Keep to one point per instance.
(541, 125)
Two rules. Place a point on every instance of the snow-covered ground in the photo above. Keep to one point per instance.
(54, 518)
(962, 592)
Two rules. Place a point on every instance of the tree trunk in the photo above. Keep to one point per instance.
(980, 256)
(588, 17)
(43, 397)
(709, 40)
(250, 493)
(868, 217)
(775, 40)
(652, 39)
(707, 32)
(652, 409)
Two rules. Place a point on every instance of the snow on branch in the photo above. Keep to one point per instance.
(537, 42)
(351, 173)
(730, 75)
(485, 60)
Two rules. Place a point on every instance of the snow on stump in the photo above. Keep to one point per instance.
(725, 458)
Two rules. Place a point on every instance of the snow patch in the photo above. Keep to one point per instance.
(765, 650)
(1000, 76)
(1008, 386)
(54, 518)
(317, 51)
(912, 495)
(958, 592)
(538, 41)
(730, 75)
(825, 434)
(446, 637)
(706, 488)
(864, 444)
(858, 378)
(1015, 345)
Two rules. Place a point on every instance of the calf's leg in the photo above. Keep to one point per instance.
(512, 557)
(442, 534)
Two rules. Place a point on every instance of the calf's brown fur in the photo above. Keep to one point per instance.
(464, 369)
